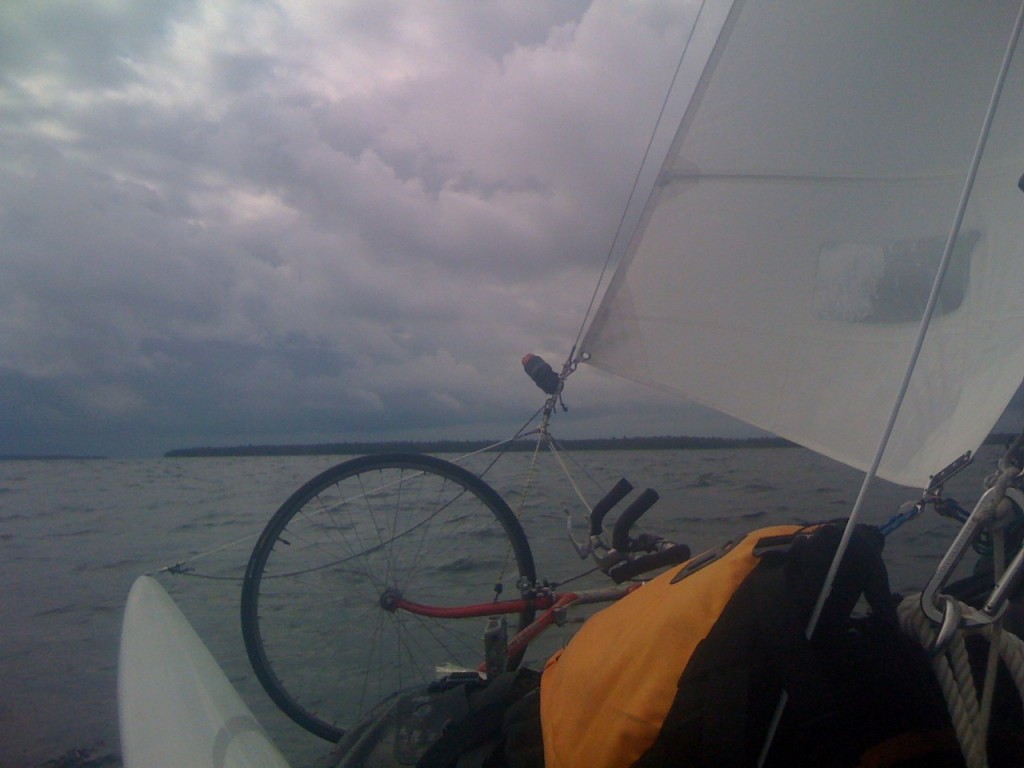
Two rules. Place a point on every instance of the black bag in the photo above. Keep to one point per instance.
(459, 722)
(734, 624)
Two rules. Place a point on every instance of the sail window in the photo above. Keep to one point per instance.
(889, 282)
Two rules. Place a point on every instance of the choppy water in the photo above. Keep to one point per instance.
(75, 534)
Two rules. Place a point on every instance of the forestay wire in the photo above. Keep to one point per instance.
(926, 318)
(621, 227)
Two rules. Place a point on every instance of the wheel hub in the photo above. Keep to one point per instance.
(389, 599)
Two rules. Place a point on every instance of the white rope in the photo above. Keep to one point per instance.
(953, 673)
(1011, 651)
(569, 476)
(952, 668)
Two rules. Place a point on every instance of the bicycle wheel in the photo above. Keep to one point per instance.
(315, 630)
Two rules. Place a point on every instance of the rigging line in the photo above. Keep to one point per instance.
(207, 576)
(869, 477)
(577, 577)
(518, 512)
(229, 545)
(523, 431)
(636, 184)
(928, 312)
(568, 475)
(834, 178)
(559, 450)
(177, 568)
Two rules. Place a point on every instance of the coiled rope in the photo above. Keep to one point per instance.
(969, 713)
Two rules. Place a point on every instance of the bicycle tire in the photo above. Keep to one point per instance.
(315, 631)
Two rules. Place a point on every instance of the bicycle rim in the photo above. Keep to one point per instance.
(315, 631)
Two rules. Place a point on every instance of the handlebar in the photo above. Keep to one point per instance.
(619, 564)
(620, 535)
(613, 497)
(671, 555)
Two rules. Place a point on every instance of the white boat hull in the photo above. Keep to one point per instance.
(176, 706)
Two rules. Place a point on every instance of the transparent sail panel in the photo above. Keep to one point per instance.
(781, 268)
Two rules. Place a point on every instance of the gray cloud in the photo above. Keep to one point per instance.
(243, 222)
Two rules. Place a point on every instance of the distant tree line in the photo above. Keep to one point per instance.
(468, 446)
(49, 457)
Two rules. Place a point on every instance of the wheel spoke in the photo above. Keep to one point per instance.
(321, 643)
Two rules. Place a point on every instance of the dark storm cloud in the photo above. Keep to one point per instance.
(242, 222)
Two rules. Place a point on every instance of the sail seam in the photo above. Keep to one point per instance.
(669, 178)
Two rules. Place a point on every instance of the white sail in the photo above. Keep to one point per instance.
(781, 267)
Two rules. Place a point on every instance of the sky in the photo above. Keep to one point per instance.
(236, 222)
(245, 221)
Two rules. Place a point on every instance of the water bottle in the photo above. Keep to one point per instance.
(541, 373)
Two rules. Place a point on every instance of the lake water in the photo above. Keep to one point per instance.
(75, 534)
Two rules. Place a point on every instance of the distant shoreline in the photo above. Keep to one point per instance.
(670, 443)
(466, 446)
(49, 457)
